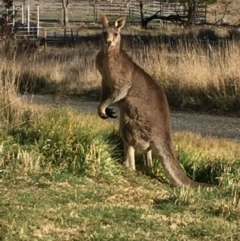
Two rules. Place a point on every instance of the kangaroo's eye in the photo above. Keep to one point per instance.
(115, 34)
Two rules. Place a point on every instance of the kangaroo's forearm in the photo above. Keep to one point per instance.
(105, 92)
(114, 97)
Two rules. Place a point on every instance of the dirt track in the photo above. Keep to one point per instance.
(206, 125)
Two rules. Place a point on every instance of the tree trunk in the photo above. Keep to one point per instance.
(192, 6)
(65, 4)
(144, 24)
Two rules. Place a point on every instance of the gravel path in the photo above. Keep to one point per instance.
(206, 125)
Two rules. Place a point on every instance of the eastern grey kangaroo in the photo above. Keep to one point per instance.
(144, 113)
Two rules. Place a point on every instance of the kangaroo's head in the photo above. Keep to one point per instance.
(111, 32)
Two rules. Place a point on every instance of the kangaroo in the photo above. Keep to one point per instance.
(144, 112)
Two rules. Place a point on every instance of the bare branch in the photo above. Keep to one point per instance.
(224, 14)
(236, 22)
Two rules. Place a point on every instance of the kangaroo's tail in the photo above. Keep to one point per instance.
(171, 166)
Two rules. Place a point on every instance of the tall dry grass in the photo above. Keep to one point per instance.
(194, 67)
(194, 76)
(64, 70)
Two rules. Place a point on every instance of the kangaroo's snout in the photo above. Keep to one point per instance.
(108, 42)
(107, 38)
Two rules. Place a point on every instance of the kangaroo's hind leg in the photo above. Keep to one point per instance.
(129, 156)
(148, 158)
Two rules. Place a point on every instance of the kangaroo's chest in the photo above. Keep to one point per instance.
(115, 73)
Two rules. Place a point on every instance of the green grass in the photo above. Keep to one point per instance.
(61, 178)
(73, 208)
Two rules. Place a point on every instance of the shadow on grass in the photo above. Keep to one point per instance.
(200, 173)
(207, 174)
(89, 94)
(34, 84)
(202, 37)
(169, 205)
(225, 100)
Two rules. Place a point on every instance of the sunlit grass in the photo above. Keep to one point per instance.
(61, 178)
(40, 137)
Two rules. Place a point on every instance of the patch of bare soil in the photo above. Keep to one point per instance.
(206, 125)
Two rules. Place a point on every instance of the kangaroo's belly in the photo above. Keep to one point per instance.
(134, 129)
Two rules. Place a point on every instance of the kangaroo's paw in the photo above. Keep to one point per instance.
(111, 113)
(103, 115)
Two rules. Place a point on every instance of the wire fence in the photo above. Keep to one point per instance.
(40, 18)
(51, 12)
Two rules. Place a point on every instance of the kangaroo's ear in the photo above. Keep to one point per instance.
(104, 20)
(119, 22)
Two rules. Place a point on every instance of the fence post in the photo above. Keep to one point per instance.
(72, 37)
(23, 14)
(28, 19)
(77, 34)
(13, 21)
(94, 11)
(65, 35)
(38, 7)
(206, 12)
(45, 39)
(153, 7)
(7, 13)
(110, 8)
